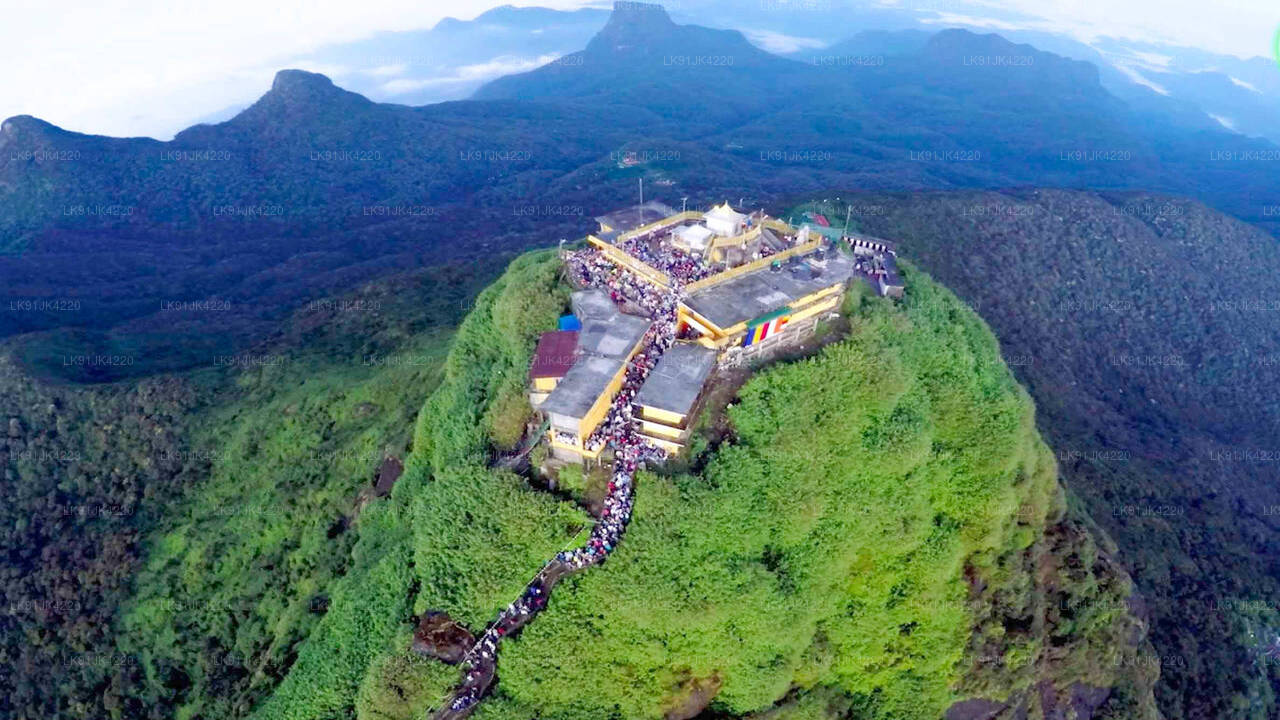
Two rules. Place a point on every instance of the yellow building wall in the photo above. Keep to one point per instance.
(662, 416)
(652, 428)
(668, 220)
(728, 241)
(776, 224)
(588, 454)
(806, 307)
(545, 384)
(753, 265)
(670, 446)
(592, 418)
(618, 257)
(719, 337)
(815, 309)
(697, 322)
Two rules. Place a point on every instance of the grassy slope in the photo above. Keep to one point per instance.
(830, 550)
(826, 546)
(454, 534)
(1145, 326)
(247, 562)
(235, 482)
(223, 607)
(245, 568)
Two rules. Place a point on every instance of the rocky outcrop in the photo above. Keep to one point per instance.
(441, 637)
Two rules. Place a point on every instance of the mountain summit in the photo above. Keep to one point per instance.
(631, 25)
(643, 54)
(294, 90)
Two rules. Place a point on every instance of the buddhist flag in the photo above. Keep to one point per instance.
(758, 333)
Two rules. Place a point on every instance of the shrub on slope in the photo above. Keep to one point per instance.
(455, 535)
(876, 528)
(824, 546)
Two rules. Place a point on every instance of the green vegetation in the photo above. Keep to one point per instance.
(245, 485)
(272, 221)
(247, 563)
(85, 473)
(1145, 327)
(893, 544)
(829, 550)
(827, 546)
(455, 535)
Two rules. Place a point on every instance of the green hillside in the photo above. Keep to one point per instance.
(1146, 329)
(893, 544)
(172, 541)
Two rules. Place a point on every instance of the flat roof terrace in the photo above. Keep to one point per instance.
(605, 344)
(614, 337)
(630, 218)
(676, 381)
(763, 291)
(582, 386)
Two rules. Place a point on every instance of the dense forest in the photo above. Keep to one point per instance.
(1146, 328)
(944, 568)
(171, 541)
(211, 371)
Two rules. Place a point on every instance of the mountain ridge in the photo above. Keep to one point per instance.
(313, 185)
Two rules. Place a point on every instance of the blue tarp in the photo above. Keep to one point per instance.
(570, 322)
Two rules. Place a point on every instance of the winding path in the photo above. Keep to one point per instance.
(479, 665)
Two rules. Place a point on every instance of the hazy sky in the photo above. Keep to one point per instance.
(149, 67)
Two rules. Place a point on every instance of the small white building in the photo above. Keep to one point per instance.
(693, 238)
(724, 220)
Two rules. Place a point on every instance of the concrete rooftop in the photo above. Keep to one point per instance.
(763, 291)
(582, 386)
(606, 339)
(630, 218)
(677, 379)
(611, 338)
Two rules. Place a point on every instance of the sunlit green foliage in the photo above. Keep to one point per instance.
(246, 565)
(470, 537)
(817, 564)
(823, 547)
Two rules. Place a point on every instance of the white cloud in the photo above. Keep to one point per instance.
(149, 67)
(1155, 61)
(953, 19)
(1243, 28)
(386, 70)
(497, 67)
(780, 43)
(133, 67)
(1243, 84)
(1141, 79)
(1224, 122)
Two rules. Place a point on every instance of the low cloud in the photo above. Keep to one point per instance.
(780, 43)
(1141, 79)
(479, 72)
(1225, 122)
(1245, 85)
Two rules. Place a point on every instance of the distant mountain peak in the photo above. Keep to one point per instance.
(298, 93)
(25, 128)
(641, 47)
(958, 47)
(633, 23)
(301, 83)
(639, 15)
